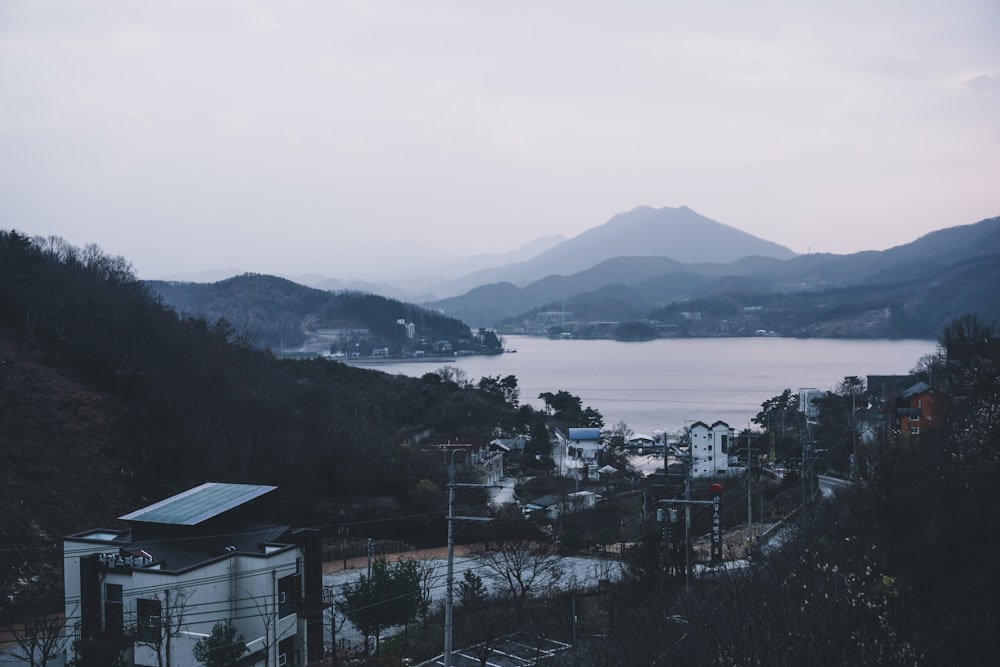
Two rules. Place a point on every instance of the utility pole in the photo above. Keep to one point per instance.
(668, 515)
(687, 528)
(449, 601)
(371, 551)
(749, 505)
(170, 628)
(854, 436)
(450, 580)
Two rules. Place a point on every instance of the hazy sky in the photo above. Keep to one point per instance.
(323, 136)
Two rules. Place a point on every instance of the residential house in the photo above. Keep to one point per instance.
(641, 442)
(190, 561)
(550, 504)
(709, 449)
(508, 445)
(490, 464)
(806, 406)
(916, 409)
(584, 443)
(553, 505)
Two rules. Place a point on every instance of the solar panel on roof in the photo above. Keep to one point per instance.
(195, 505)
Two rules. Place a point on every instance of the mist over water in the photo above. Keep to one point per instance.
(665, 383)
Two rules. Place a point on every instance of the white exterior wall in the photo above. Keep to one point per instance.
(707, 456)
(73, 551)
(806, 406)
(586, 449)
(242, 588)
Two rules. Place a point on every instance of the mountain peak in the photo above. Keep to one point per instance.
(679, 233)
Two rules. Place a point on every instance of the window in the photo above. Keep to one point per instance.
(286, 595)
(914, 430)
(148, 621)
(114, 616)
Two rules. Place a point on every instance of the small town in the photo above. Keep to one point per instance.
(510, 334)
(199, 569)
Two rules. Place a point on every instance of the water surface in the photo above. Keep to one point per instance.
(666, 383)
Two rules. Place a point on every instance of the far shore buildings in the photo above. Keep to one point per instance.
(190, 561)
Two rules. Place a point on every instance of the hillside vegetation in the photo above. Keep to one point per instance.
(110, 399)
(278, 314)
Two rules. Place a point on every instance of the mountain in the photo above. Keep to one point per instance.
(911, 289)
(281, 314)
(678, 233)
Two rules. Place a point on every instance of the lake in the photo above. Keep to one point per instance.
(669, 382)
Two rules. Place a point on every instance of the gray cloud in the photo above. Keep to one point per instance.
(296, 137)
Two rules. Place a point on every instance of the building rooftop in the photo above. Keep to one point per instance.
(198, 504)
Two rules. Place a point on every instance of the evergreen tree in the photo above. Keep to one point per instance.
(223, 648)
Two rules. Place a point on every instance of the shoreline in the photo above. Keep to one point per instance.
(394, 360)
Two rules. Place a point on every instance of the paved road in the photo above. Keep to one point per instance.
(829, 486)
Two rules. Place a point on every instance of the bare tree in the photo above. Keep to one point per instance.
(429, 580)
(336, 647)
(618, 435)
(266, 607)
(158, 634)
(483, 618)
(523, 566)
(39, 635)
(453, 374)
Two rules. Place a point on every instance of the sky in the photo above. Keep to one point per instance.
(349, 138)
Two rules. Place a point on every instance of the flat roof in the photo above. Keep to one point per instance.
(193, 506)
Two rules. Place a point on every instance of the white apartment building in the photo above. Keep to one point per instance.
(188, 562)
(710, 449)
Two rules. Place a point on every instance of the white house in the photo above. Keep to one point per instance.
(641, 441)
(188, 562)
(709, 449)
(806, 406)
(585, 442)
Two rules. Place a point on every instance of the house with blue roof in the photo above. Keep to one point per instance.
(585, 443)
(190, 561)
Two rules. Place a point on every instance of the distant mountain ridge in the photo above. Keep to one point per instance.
(901, 279)
(908, 290)
(678, 233)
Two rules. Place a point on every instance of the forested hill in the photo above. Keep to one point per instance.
(109, 398)
(279, 313)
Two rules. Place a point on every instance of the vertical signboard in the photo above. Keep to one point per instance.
(716, 490)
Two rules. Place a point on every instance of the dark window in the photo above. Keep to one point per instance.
(287, 595)
(149, 621)
(114, 616)
(725, 442)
